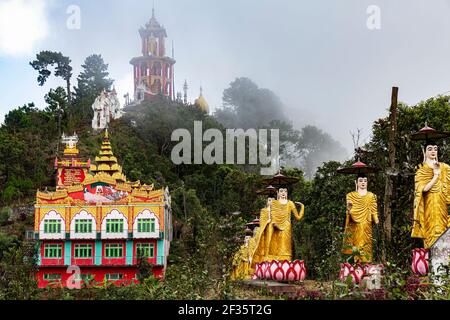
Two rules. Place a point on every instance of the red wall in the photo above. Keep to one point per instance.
(52, 262)
(114, 262)
(150, 260)
(83, 262)
(129, 273)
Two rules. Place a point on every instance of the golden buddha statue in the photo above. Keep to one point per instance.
(361, 213)
(431, 197)
(273, 239)
(241, 261)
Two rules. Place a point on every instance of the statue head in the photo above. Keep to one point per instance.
(282, 194)
(361, 182)
(431, 151)
(269, 201)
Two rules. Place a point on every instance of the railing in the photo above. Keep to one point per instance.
(31, 235)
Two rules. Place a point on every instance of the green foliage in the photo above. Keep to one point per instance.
(211, 203)
(56, 101)
(324, 199)
(94, 78)
(17, 269)
(63, 69)
(5, 214)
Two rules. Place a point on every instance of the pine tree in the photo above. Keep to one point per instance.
(93, 79)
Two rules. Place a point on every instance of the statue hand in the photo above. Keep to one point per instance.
(349, 206)
(436, 169)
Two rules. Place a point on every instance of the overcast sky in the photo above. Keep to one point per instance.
(319, 57)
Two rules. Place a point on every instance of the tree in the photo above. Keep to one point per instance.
(91, 82)
(93, 79)
(245, 105)
(20, 118)
(317, 147)
(44, 59)
(56, 101)
(57, 105)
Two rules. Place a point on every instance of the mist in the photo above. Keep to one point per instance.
(328, 69)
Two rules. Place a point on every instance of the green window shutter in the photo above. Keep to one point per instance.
(152, 223)
(152, 251)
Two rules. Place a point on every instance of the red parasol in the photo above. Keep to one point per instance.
(358, 168)
(428, 133)
(280, 180)
(268, 191)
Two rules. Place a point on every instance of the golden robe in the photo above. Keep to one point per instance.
(430, 208)
(273, 238)
(358, 225)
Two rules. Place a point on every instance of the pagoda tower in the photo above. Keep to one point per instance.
(107, 162)
(153, 71)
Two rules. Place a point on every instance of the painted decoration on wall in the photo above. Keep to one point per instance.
(101, 193)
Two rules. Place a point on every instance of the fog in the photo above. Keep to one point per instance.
(328, 68)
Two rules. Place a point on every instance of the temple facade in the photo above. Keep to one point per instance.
(99, 221)
(154, 70)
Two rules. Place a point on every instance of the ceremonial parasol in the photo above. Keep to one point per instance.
(280, 180)
(427, 133)
(248, 231)
(358, 168)
(268, 191)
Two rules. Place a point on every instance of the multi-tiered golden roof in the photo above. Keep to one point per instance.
(107, 162)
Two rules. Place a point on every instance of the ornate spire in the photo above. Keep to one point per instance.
(185, 88)
(106, 161)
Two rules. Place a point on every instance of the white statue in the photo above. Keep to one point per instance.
(141, 90)
(106, 108)
(70, 141)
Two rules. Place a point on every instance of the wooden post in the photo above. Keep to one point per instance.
(391, 170)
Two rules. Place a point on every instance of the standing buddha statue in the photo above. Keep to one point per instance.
(275, 233)
(361, 214)
(431, 197)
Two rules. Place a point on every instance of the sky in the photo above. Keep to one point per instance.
(320, 57)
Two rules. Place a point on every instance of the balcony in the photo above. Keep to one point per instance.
(52, 262)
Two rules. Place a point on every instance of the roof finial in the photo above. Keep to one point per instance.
(201, 91)
(153, 10)
(106, 133)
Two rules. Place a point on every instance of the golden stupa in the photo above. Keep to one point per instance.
(201, 103)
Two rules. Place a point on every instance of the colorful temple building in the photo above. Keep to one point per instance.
(153, 71)
(99, 221)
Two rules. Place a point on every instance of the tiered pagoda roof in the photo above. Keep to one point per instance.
(107, 162)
